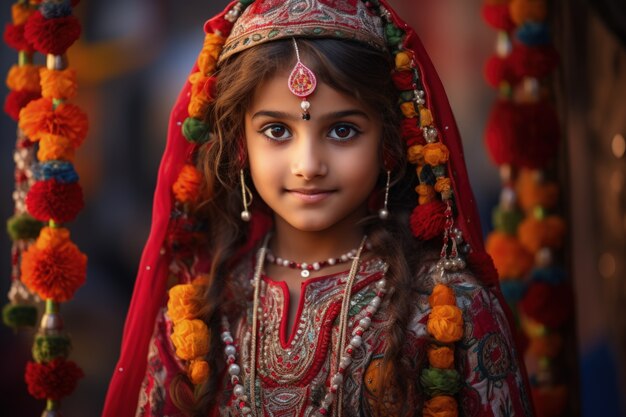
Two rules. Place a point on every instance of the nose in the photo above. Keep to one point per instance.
(308, 158)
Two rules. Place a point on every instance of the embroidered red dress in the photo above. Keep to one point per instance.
(293, 365)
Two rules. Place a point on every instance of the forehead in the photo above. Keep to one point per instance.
(274, 94)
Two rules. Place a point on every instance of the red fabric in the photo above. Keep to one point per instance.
(150, 287)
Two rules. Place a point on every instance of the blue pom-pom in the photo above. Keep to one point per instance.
(56, 9)
(553, 275)
(427, 176)
(513, 290)
(62, 171)
(533, 34)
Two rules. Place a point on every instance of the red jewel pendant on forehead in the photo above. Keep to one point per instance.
(302, 83)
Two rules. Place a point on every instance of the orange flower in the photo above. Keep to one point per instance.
(426, 117)
(187, 186)
(198, 372)
(403, 61)
(441, 357)
(24, 78)
(436, 153)
(535, 234)
(523, 11)
(58, 84)
(532, 191)
(191, 339)
(54, 148)
(445, 323)
(207, 61)
(443, 184)
(408, 109)
(442, 295)
(184, 302)
(511, 259)
(426, 193)
(415, 154)
(53, 267)
(39, 118)
(441, 406)
(20, 13)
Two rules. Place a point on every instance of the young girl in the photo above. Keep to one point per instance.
(317, 234)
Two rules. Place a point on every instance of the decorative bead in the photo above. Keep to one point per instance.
(246, 411)
(329, 398)
(245, 216)
(365, 322)
(375, 302)
(370, 309)
(316, 266)
(356, 341)
(305, 105)
(230, 351)
(331, 261)
(234, 369)
(238, 390)
(345, 361)
(337, 379)
(430, 134)
(383, 214)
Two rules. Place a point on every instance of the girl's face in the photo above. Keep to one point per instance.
(318, 173)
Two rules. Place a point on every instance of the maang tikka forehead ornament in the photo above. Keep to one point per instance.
(302, 82)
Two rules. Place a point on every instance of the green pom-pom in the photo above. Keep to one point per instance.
(23, 226)
(196, 131)
(506, 221)
(19, 315)
(437, 381)
(393, 33)
(439, 171)
(406, 96)
(49, 347)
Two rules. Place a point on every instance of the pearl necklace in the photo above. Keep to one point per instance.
(334, 391)
(306, 268)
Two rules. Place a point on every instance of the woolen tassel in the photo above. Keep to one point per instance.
(497, 16)
(428, 220)
(53, 200)
(14, 37)
(498, 70)
(550, 305)
(53, 380)
(500, 134)
(17, 100)
(411, 132)
(52, 36)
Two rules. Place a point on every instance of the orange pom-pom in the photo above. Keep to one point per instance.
(426, 193)
(436, 153)
(24, 78)
(426, 117)
(58, 84)
(523, 11)
(53, 267)
(187, 186)
(511, 259)
(549, 345)
(54, 148)
(191, 339)
(445, 323)
(207, 61)
(185, 302)
(20, 13)
(443, 184)
(442, 295)
(441, 406)
(535, 233)
(415, 154)
(441, 357)
(403, 61)
(408, 109)
(198, 372)
(67, 120)
(532, 192)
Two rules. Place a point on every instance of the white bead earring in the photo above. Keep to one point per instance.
(246, 198)
(383, 213)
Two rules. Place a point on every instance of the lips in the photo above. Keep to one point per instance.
(310, 195)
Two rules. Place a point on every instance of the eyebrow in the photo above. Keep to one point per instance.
(326, 116)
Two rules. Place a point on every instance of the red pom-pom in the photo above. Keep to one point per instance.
(498, 16)
(403, 80)
(533, 61)
(481, 264)
(428, 220)
(52, 200)
(411, 132)
(497, 70)
(550, 305)
(16, 100)
(52, 36)
(14, 37)
(522, 135)
(53, 380)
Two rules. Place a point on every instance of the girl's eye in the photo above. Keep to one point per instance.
(276, 132)
(343, 132)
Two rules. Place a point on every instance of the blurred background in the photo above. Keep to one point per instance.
(133, 58)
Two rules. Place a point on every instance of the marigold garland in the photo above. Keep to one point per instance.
(24, 78)
(41, 117)
(58, 84)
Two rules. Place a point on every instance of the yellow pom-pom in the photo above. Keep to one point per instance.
(442, 295)
(445, 323)
(403, 61)
(441, 357)
(191, 339)
(436, 153)
(198, 372)
(184, 302)
(408, 109)
(426, 117)
(441, 406)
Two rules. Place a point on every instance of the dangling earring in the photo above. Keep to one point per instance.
(246, 197)
(383, 213)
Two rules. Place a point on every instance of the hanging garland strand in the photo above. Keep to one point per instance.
(24, 86)
(522, 138)
(52, 267)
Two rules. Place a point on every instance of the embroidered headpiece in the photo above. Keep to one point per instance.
(267, 21)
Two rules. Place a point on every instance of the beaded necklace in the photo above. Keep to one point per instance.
(334, 390)
(306, 268)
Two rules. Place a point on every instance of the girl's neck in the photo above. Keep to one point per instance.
(303, 246)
